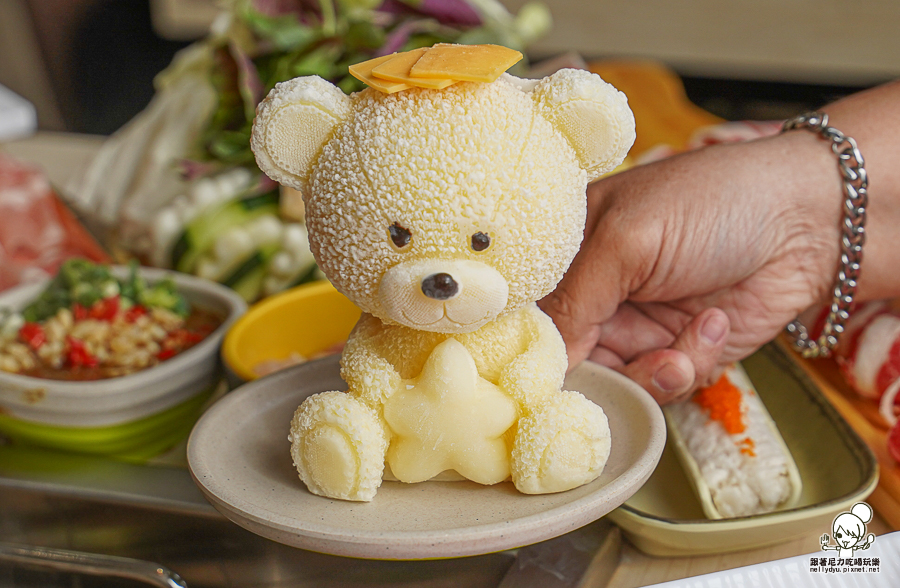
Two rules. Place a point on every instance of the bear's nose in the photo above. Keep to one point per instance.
(440, 286)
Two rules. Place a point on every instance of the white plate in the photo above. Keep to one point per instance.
(240, 458)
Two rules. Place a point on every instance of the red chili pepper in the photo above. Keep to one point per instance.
(194, 337)
(79, 355)
(181, 338)
(105, 309)
(79, 312)
(134, 312)
(33, 334)
(204, 330)
(177, 334)
(166, 354)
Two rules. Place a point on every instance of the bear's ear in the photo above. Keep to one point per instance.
(591, 114)
(292, 125)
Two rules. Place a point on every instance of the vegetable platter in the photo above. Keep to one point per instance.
(177, 187)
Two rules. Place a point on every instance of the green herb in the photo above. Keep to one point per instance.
(164, 294)
(82, 282)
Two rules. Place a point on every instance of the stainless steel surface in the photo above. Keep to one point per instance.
(155, 514)
(584, 558)
(91, 563)
(855, 183)
(166, 488)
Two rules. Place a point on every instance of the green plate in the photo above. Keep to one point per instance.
(136, 440)
(836, 467)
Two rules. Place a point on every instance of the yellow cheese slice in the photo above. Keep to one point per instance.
(363, 72)
(397, 70)
(469, 63)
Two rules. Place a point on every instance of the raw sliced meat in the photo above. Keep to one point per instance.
(37, 231)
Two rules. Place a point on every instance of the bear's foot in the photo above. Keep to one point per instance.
(563, 444)
(338, 445)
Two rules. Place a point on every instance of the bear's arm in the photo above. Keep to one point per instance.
(540, 369)
(370, 377)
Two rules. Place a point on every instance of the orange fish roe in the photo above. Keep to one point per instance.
(722, 401)
(748, 446)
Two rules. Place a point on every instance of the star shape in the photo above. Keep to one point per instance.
(449, 418)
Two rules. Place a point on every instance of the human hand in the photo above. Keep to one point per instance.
(694, 262)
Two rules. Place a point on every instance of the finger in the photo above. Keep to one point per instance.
(599, 277)
(588, 294)
(672, 374)
(630, 332)
(670, 315)
(606, 357)
(703, 341)
(667, 374)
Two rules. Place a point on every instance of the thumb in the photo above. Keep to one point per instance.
(692, 360)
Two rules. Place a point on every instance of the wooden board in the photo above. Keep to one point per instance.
(862, 414)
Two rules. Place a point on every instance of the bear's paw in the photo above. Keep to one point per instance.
(338, 446)
(562, 445)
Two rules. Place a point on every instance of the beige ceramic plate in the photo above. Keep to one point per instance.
(836, 467)
(239, 456)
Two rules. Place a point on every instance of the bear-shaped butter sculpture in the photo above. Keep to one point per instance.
(445, 215)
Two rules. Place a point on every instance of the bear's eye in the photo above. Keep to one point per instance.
(400, 235)
(480, 241)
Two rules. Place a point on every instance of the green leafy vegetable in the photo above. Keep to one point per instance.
(270, 41)
(82, 282)
(56, 296)
(78, 281)
(164, 294)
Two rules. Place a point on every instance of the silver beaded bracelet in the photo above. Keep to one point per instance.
(855, 182)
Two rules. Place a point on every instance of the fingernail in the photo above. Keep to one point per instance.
(669, 378)
(714, 328)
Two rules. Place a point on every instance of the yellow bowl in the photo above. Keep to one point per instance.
(304, 320)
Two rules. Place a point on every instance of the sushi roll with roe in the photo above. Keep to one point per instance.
(731, 450)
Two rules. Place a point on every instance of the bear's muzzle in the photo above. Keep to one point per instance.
(443, 296)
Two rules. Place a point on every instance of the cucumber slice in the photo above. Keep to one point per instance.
(247, 278)
(250, 285)
(201, 233)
